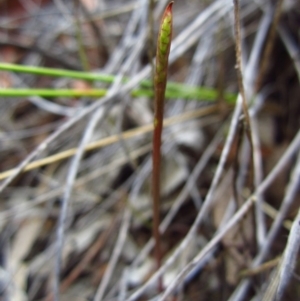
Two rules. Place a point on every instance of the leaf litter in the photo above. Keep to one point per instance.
(210, 211)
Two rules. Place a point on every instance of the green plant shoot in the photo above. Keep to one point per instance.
(160, 82)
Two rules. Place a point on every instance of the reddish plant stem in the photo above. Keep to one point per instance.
(156, 161)
(160, 82)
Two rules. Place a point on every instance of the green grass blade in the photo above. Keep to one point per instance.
(190, 93)
(173, 91)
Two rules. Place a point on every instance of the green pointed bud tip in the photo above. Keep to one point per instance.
(166, 20)
(168, 10)
(163, 45)
(164, 38)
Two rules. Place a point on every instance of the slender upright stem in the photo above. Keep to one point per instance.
(160, 81)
